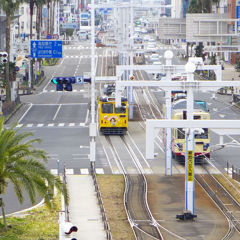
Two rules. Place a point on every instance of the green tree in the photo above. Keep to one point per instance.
(9, 7)
(201, 6)
(23, 166)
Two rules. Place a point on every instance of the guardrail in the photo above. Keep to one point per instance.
(100, 202)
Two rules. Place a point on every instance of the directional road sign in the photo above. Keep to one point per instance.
(46, 49)
(70, 25)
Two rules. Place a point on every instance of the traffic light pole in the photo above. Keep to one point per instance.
(93, 126)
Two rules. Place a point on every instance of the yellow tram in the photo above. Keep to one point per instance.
(112, 120)
(202, 138)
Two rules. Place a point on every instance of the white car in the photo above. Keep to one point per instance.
(154, 58)
(157, 63)
(152, 40)
(151, 48)
(146, 38)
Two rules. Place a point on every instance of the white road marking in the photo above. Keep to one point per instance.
(215, 109)
(19, 125)
(29, 125)
(87, 116)
(57, 112)
(61, 124)
(54, 171)
(50, 124)
(84, 171)
(82, 124)
(71, 124)
(40, 125)
(99, 171)
(221, 115)
(25, 113)
(69, 171)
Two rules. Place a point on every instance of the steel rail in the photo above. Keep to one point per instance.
(143, 228)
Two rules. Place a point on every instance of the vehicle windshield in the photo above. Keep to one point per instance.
(107, 108)
(121, 109)
(203, 135)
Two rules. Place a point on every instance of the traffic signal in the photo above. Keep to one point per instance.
(4, 57)
(63, 83)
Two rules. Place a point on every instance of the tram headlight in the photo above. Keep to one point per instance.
(205, 147)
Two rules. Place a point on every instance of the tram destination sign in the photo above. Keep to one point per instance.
(190, 166)
(46, 49)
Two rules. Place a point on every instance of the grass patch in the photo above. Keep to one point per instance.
(112, 190)
(38, 224)
(228, 186)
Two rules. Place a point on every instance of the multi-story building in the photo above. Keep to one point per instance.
(24, 19)
(2, 30)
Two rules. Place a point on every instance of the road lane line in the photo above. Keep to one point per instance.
(87, 116)
(57, 112)
(25, 113)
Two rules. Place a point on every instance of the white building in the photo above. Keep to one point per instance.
(176, 11)
(24, 19)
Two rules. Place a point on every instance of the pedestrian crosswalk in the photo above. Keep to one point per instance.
(52, 90)
(89, 56)
(82, 171)
(39, 125)
(78, 47)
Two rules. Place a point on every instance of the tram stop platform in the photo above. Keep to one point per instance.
(84, 210)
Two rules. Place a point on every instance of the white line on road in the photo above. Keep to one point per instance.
(87, 116)
(25, 113)
(57, 112)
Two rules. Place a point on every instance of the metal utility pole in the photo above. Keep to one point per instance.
(93, 126)
(168, 55)
(130, 89)
(189, 145)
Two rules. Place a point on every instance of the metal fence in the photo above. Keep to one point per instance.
(100, 202)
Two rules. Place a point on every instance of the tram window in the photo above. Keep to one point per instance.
(107, 108)
(180, 133)
(121, 109)
(203, 135)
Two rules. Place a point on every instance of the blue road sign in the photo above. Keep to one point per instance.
(70, 25)
(238, 14)
(46, 49)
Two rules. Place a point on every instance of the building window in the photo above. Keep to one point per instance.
(22, 10)
(22, 25)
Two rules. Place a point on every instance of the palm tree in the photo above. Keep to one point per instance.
(20, 165)
(9, 7)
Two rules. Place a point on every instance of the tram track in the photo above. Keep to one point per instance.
(139, 214)
(228, 206)
(135, 196)
(225, 202)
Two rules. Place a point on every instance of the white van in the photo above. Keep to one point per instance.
(83, 34)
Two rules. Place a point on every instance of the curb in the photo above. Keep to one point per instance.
(13, 112)
(25, 210)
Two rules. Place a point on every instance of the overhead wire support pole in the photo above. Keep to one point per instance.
(93, 126)
(168, 55)
(130, 89)
(190, 145)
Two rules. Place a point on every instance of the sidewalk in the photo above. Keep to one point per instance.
(84, 209)
(229, 73)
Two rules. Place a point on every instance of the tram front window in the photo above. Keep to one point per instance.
(107, 108)
(203, 135)
(180, 133)
(121, 109)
